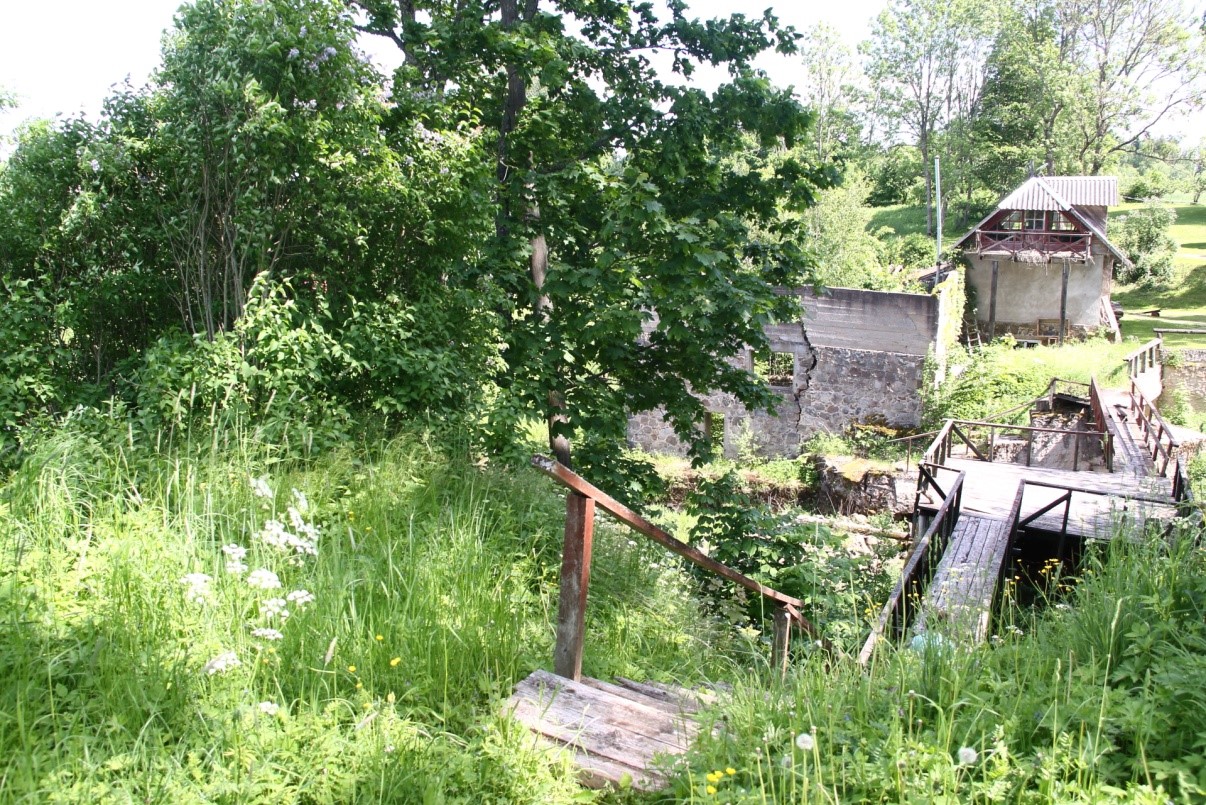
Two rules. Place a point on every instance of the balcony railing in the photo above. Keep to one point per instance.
(1045, 242)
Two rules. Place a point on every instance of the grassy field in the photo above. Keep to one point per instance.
(216, 622)
(1183, 304)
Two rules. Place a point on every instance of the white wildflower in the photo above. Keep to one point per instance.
(300, 501)
(261, 489)
(805, 741)
(274, 535)
(234, 551)
(222, 663)
(299, 598)
(268, 634)
(967, 756)
(264, 579)
(294, 53)
(95, 165)
(274, 608)
(198, 591)
(236, 567)
(269, 708)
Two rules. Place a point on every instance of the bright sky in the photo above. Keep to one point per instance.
(62, 56)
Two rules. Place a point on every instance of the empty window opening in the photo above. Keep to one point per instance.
(776, 368)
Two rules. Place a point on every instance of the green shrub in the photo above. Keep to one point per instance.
(1143, 235)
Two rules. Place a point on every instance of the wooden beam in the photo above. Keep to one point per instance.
(1063, 304)
(992, 302)
(575, 580)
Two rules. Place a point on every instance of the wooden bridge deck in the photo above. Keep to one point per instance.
(959, 599)
(1110, 500)
(612, 732)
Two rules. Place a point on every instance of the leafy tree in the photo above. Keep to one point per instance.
(1143, 237)
(924, 57)
(621, 255)
(847, 254)
(827, 88)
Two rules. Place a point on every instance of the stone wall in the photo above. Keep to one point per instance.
(1186, 374)
(858, 356)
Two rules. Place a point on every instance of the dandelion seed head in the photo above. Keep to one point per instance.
(269, 708)
(967, 756)
(805, 741)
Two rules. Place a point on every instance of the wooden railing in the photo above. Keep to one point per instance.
(1144, 358)
(1156, 434)
(580, 506)
(1099, 424)
(918, 569)
(1016, 240)
(963, 432)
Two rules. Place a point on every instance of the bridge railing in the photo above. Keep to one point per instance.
(580, 506)
(918, 569)
(984, 441)
(1157, 436)
(1099, 423)
(1144, 358)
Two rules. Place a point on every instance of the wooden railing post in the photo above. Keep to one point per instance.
(575, 579)
(781, 641)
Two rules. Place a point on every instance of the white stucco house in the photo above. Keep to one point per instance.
(1040, 265)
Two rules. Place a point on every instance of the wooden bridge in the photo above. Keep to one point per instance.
(982, 499)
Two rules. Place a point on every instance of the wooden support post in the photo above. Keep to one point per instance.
(781, 641)
(1063, 305)
(992, 302)
(575, 579)
(1029, 446)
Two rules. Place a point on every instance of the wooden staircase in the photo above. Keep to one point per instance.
(614, 733)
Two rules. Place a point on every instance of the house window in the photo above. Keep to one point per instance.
(776, 368)
(1012, 221)
(1034, 219)
(1060, 223)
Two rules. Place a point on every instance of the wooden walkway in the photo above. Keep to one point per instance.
(613, 732)
(1110, 500)
(959, 599)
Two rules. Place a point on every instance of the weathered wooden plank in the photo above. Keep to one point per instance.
(600, 772)
(961, 593)
(588, 705)
(689, 701)
(670, 708)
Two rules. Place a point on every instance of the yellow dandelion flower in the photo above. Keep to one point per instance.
(711, 789)
(730, 771)
(394, 662)
(368, 705)
(351, 669)
(359, 685)
(380, 638)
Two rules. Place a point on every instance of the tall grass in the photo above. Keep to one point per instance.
(1097, 696)
(125, 675)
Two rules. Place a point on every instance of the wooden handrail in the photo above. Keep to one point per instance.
(1155, 430)
(1099, 422)
(895, 612)
(580, 486)
(1144, 358)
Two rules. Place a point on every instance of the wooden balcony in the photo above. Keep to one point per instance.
(1073, 245)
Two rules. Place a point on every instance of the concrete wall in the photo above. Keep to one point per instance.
(859, 356)
(1027, 292)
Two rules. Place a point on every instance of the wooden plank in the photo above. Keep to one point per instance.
(600, 772)
(665, 705)
(689, 701)
(576, 704)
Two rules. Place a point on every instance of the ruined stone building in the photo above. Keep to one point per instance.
(854, 356)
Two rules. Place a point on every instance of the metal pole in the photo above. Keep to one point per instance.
(938, 216)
